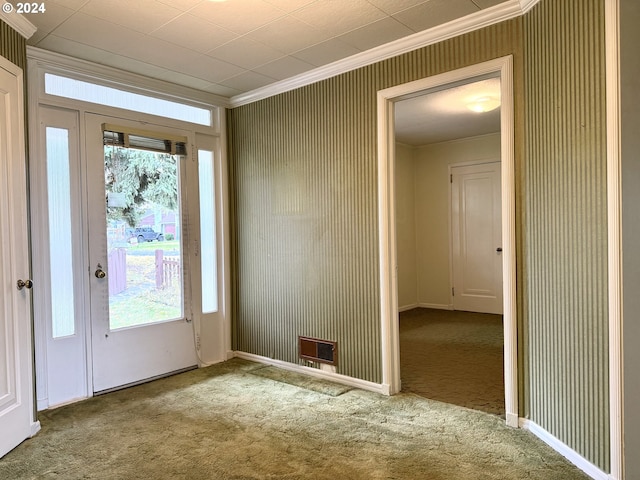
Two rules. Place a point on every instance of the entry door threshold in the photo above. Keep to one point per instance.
(146, 380)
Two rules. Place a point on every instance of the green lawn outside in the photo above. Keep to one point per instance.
(142, 303)
(139, 311)
(172, 245)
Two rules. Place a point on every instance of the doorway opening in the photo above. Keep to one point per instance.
(503, 252)
(448, 230)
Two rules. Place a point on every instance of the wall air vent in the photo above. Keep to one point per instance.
(315, 350)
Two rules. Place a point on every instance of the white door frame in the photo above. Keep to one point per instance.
(213, 334)
(387, 232)
(614, 238)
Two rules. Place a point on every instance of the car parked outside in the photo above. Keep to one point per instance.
(144, 234)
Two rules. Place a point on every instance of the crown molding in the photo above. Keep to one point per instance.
(527, 5)
(484, 18)
(19, 23)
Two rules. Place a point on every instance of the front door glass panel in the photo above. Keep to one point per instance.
(208, 254)
(145, 255)
(60, 243)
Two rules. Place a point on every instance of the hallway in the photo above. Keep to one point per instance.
(453, 357)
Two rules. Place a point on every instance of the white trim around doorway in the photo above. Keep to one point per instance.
(502, 67)
(614, 238)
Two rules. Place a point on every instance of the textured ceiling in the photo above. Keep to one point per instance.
(235, 46)
(443, 115)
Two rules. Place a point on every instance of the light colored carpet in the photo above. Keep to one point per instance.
(300, 380)
(225, 422)
(453, 357)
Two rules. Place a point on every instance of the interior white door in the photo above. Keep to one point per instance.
(140, 313)
(476, 238)
(16, 368)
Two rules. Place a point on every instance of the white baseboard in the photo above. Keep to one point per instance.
(404, 308)
(563, 449)
(436, 306)
(67, 402)
(227, 356)
(35, 428)
(314, 372)
(512, 420)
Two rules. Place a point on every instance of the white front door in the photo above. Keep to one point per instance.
(476, 238)
(149, 225)
(141, 318)
(16, 369)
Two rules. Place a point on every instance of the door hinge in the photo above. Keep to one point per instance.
(451, 178)
(453, 292)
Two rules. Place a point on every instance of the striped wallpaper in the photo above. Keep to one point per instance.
(304, 177)
(566, 224)
(305, 204)
(303, 168)
(305, 247)
(13, 46)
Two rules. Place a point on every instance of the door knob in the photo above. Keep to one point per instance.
(499, 249)
(99, 272)
(20, 284)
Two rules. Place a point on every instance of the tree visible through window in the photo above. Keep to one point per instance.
(141, 178)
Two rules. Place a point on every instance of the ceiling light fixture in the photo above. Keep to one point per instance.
(483, 104)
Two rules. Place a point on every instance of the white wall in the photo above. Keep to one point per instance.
(630, 143)
(430, 174)
(406, 226)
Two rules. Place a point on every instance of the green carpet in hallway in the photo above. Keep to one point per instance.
(453, 357)
(225, 422)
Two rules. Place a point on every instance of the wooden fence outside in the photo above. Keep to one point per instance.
(167, 270)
